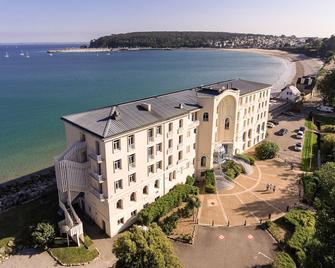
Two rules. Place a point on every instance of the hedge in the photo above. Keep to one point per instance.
(210, 182)
(231, 169)
(328, 128)
(310, 184)
(246, 158)
(283, 260)
(178, 194)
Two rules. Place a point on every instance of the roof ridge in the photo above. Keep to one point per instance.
(112, 110)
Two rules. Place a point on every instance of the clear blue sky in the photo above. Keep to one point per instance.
(82, 20)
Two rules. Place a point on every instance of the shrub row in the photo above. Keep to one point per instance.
(210, 182)
(328, 128)
(178, 194)
(246, 158)
(231, 169)
(310, 184)
(283, 260)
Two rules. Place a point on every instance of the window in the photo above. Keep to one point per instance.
(194, 116)
(258, 128)
(133, 213)
(97, 147)
(118, 184)
(116, 145)
(226, 123)
(159, 165)
(202, 174)
(131, 142)
(180, 139)
(170, 143)
(203, 161)
(205, 117)
(120, 221)
(150, 134)
(117, 165)
(159, 148)
(119, 204)
(146, 190)
(263, 126)
(170, 159)
(150, 169)
(181, 123)
(170, 176)
(150, 153)
(170, 126)
(244, 136)
(180, 155)
(158, 130)
(132, 178)
(131, 160)
(133, 197)
(249, 133)
(156, 183)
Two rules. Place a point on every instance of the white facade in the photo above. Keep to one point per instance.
(290, 93)
(130, 170)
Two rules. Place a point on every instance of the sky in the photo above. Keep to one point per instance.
(83, 20)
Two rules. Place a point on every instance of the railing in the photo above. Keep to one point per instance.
(98, 177)
(180, 146)
(194, 124)
(169, 150)
(169, 134)
(131, 165)
(99, 195)
(150, 139)
(151, 157)
(95, 157)
(180, 130)
(131, 147)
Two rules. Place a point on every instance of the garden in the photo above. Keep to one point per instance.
(231, 169)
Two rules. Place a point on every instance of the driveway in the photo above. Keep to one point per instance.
(227, 247)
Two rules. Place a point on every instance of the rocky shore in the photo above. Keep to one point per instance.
(27, 188)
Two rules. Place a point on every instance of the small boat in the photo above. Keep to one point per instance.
(108, 53)
(50, 54)
(27, 55)
(21, 53)
(6, 54)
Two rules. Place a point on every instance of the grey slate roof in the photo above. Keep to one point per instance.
(163, 107)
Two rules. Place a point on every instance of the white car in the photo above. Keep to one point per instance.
(300, 134)
(270, 125)
(298, 147)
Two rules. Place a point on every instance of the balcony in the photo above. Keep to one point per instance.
(131, 166)
(180, 130)
(180, 146)
(194, 124)
(150, 157)
(97, 194)
(170, 134)
(169, 150)
(95, 157)
(151, 139)
(97, 177)
(131, 147)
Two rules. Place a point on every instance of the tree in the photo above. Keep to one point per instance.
(145, 247)
(283, 260)
(327, 87)
(42, 234)
(266, 150)
(190, 180)
(328, 146)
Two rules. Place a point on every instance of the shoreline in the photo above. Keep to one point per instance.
(297, 65)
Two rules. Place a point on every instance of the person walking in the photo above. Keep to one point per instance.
(267, 187)
(274, 188)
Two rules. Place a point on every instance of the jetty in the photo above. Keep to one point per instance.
(79, 50)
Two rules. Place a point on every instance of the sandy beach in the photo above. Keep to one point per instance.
(297, 65)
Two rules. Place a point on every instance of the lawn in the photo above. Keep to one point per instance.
(75, 255)
(309, 149)
(15, 223)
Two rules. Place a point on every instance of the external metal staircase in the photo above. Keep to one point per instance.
(72, 175)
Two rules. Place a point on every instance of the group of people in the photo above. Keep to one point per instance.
(270, 187)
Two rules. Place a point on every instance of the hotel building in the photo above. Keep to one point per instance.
(123, 157)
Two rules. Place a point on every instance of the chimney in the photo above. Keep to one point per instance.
(181, 106)
(115, 114)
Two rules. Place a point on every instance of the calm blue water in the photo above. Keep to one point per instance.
(35, 92)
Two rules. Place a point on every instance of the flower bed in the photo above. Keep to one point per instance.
(231, 169)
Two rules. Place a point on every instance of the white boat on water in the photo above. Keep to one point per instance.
(6, 54)
(21, 53)
(27, 55)
(50, 54)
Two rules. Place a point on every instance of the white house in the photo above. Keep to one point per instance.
(290, 93)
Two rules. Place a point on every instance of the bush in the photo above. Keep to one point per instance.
(230, 173)
(42, 234)
(266, 150)
(328, 147)
(283, 260)
(246, 158)
(169, 223)
(189, 180)
(210, 182)
(178, 194)
(328, 128)
(310, 183)
(231, 169)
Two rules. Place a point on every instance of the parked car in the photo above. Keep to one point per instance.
(298, 147)
(300, 134)
(323, 108)
(270, 125)
(302, 129)
(274, 121)
(282, 132)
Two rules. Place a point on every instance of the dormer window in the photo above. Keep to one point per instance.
(205, 117)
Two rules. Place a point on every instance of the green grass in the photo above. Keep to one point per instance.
(308, 161)
(310, 125)
(73, 255)
(15, 223)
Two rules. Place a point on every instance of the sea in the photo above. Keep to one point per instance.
(36, 90)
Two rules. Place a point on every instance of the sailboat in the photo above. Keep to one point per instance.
(6, 54)
(27, 54)
(21, 53)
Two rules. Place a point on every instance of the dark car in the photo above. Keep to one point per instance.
(274, 121)
(302, 129)
(282, 132)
